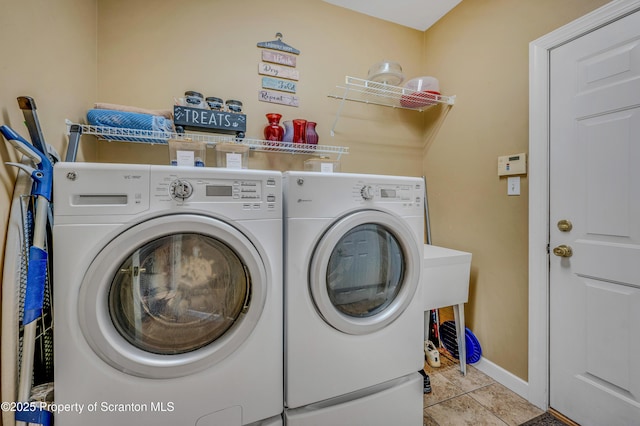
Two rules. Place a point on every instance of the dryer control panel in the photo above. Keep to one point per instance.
(312, 194)
(386, 192)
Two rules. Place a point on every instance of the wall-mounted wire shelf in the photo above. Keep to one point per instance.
(371, 92)
(157, 137)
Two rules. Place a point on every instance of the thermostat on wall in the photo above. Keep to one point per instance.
(515, 164)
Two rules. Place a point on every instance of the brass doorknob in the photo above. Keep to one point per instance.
(563, 251)
(564, 225)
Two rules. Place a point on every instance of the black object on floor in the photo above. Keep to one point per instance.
(426, 381)
(545, 419)
(449, 337)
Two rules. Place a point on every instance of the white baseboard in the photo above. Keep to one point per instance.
(502, 376)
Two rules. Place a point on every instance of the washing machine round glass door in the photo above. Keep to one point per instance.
(365, 271)
(172, 295)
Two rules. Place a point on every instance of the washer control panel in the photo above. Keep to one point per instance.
(180, 189)
(248, 193)
(204, 190)
(115, 191)
(367, 192)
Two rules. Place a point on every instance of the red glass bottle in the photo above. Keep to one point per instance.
(274, 131)
(299, 130)
(311, 136)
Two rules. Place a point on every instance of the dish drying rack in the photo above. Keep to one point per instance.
(75, 131)
(371, 92)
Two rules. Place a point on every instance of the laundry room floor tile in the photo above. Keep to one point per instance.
(462, 410)
(474, 399)
(441, 390)
(508, 406)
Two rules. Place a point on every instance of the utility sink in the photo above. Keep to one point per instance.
(445, 282)
(445, 277)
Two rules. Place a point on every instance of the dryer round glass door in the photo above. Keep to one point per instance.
(172, 295)
(364, 271)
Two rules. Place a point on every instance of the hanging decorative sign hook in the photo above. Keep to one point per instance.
(278, 44)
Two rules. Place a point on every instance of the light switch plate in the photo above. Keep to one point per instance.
(513, 185)
(515, 164)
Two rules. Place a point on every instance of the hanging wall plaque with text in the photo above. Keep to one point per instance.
(278, 64)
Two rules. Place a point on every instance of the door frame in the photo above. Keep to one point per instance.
(539, 132)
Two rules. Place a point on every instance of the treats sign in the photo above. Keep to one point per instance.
(199, 118)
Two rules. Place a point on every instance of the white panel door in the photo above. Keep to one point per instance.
(595, 185)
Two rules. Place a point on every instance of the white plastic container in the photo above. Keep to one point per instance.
(386, 72)
(322, 164)
(232, 156)
(187, 153)
(423, 84)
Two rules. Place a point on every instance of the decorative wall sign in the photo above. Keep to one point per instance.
(278, 58)
(278, 98)
(279, 84)
(278, 71)
(285, 69)
(278, 45)
(204, 119)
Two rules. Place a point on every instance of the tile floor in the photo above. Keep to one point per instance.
(475, 399)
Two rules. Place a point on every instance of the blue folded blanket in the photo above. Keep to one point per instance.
(132, 121)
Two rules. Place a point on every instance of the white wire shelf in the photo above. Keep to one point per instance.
(371, 92)
(157, 137)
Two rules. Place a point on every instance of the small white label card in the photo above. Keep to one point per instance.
(185, 158)
(234, 161)
(326, 167)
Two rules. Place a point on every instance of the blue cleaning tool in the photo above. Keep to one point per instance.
(42, 175)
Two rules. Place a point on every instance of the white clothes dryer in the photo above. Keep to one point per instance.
(168, 295)
(353, 305)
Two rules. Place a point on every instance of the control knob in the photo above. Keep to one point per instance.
(367, 192)
(180, 189)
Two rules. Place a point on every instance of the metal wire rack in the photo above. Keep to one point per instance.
(371, 92)
(155, 137)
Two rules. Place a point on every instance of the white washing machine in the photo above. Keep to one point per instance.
(353, 305)
(168, 295)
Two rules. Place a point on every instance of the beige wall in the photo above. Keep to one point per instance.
(150, 54)
(479, 51)
(49, 53)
